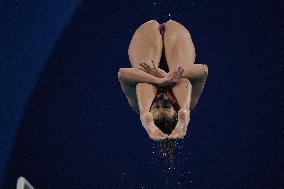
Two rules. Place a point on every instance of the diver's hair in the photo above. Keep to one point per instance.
(166, 125)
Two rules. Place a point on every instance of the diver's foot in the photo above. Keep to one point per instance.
(153, 131)
(181, 127)
(177, 134)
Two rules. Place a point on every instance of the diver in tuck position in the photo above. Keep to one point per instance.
(164, 84)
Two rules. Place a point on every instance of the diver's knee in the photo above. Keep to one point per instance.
(171, 21)
(151, 24)
(172, 24)
(185, 82)
(176, 30)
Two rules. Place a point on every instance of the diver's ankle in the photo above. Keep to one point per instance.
(146, 118)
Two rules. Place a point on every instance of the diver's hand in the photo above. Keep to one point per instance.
(153, 131)
(183, 120)
(173, 77)
(155, 71)
(179, 69)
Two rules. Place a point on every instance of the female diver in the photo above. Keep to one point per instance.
(164, 85)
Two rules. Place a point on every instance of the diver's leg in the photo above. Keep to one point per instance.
(182, 92)
(145, 95)
(179, 48)
(146, 45)
(197, 88)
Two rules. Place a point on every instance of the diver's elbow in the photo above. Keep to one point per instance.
(120, 73)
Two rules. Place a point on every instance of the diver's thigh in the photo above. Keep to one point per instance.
(145, 95)
(179, 48)
(146, 44)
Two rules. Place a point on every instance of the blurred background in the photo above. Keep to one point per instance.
(65, 123)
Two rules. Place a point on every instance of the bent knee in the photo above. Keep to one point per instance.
(184, 82)
(175, 27)
(175, 32)
(151, 24)
(172, 23)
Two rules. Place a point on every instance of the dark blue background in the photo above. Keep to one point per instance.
(77, 130)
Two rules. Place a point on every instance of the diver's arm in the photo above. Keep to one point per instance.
(132, 76)
(128, 78)
(154, 70)
(197, 88)
(162, 72)
(197, 74)
(140, 97)
(130, 93)
(191, 72)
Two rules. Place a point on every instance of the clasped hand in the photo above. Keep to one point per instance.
(165, 79)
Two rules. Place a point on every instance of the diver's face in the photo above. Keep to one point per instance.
(162, 107)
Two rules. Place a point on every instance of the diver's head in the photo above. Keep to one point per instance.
(164, 114)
